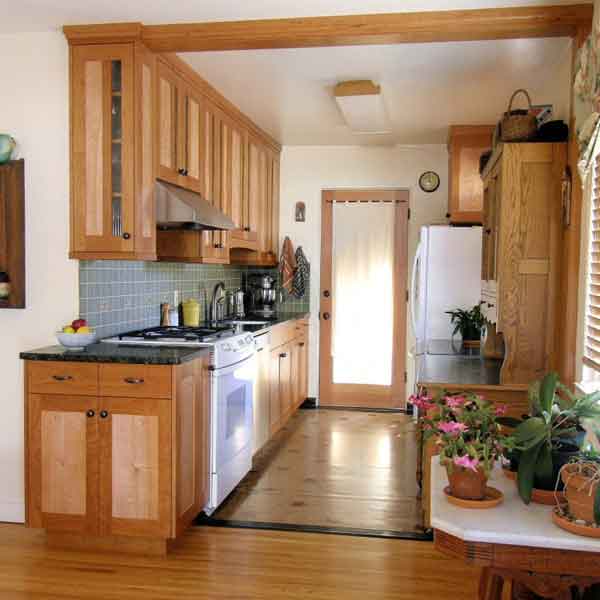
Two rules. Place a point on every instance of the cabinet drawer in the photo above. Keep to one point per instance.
(59, 377)
(135, 381)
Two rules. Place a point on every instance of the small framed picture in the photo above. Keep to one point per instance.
(300, 212)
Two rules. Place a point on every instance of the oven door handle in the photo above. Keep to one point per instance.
(223, 371)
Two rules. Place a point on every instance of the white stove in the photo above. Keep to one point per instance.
(228, 345)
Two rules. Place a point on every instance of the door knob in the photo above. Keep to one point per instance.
(103, 414)
(326, 316)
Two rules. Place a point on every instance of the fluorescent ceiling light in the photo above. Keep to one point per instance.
(362, 105)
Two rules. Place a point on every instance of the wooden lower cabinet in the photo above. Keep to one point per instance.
(122, 466)
(288, 371)
(262, 399)
(62, 462)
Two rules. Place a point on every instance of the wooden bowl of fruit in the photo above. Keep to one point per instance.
(76, 335)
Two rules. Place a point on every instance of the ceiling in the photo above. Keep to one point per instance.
(40, 15)
(425, 87)
(288, 92)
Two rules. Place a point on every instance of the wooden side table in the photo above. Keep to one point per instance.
(517, 546)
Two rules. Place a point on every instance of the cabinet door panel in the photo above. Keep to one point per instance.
(262, 408)
(145, 214)
(274, 391)
(168, 137)
(286, 388)
(192, 141)
(102, 152)
(192, 440)
(63, 463)
(135, 466)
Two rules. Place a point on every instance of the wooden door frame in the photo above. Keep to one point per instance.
(398, 388)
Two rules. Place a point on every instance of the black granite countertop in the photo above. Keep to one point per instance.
(449, 362)
(145, 355)
(113, 353)
(458, 370)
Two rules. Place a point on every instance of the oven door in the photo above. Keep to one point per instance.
(232, 428)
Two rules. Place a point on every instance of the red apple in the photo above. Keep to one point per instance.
(77, 323)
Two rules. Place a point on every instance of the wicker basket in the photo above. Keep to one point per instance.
(518, 125)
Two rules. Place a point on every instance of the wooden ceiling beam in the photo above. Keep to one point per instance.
(394, 28)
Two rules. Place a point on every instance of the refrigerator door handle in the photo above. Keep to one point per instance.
(413, 282)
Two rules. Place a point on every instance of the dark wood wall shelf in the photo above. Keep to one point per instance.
(12, 230)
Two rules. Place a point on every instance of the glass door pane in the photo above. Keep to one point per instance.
(363, 293)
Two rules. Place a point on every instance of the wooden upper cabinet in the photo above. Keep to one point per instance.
(112, 204)
(62, 434)
(466, 143)
(169, 88)
(179, 131)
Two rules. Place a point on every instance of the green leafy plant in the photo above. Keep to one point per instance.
(555, 422)
(466, 427)
(468, 322)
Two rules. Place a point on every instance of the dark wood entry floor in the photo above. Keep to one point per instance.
(335, 469)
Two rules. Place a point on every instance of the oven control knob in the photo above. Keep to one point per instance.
(227, 347)
(249, 339)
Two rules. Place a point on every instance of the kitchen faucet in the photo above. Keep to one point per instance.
(217, 302)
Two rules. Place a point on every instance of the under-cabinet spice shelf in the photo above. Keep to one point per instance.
(12, 230)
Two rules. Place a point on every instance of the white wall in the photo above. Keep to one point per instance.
(34, 109)
(306, 170)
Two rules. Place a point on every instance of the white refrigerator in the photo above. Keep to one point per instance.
(446, 275)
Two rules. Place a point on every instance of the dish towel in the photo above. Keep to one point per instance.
(287, 265)
(301, 275)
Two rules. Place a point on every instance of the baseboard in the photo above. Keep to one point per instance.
(309, 403)
(12, 512)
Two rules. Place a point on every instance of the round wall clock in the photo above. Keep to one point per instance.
(429, 181)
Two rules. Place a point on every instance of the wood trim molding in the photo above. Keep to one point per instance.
(103, 33)
(393, 28)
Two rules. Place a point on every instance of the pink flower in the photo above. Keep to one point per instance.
(467, 462)
(455, 401)
(500, 409)
(452, 428)
(423, 402)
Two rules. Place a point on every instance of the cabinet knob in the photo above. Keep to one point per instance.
(133, 380)
(448, 215)
(185, 172)
(490, 305)
(62, 377)
(219, 246)
(246, 228)
(181, 171)
(103, 414)
(488, 231)
(126, 236)
(301, 344)
(90, 413)
(326, 316)
(326, 293)
(283, 355)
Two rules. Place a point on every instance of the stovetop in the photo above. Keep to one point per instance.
(174, 335)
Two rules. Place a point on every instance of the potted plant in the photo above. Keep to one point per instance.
(468, 322)
(581, 479)
(551, 435)
(469, 438)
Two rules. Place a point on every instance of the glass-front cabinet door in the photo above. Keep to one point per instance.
(102, 138)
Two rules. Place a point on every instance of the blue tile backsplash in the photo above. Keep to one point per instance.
(117, 296)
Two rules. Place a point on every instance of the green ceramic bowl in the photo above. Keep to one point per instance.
(7, 147)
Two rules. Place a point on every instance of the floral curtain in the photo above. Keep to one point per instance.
(586, 88)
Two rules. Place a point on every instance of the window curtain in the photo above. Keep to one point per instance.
(363, 292)
(586, 97)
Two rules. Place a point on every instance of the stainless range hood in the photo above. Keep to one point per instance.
(177, 208)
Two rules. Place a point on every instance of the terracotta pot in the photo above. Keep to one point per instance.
(580, 493)
(466, 483)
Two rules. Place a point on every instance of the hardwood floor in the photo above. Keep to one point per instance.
(335, 468)
(219, 563)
